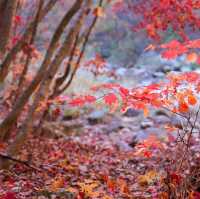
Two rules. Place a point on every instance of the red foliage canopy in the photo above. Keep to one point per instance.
(159, 15)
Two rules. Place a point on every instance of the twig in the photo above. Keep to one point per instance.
(4, 156)
(189, 137)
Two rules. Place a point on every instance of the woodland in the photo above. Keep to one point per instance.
(99, 99)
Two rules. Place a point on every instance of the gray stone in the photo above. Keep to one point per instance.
(161, 119)
(121, 71)
(133, 141)
(115, 125)
(158, 74)
(96, 117)
(162, 112)
(155, 131)
(123, 146)
(167, 68)
(186, 68)
(132, 113)
(146, 124)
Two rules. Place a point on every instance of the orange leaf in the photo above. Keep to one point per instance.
(183, 107)
(107, 197)
(192, 100)
(98, 11)
(111, 184)
(123, 186)
(146, 111)
(57, 184)
(89, 189)
(192, 57)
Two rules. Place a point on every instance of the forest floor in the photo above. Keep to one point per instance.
(85, 165)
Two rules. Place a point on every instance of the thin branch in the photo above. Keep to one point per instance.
(189, 138)
(28, 58)
(7, 157)
(59, 81)
(4, 67)
(83, 50)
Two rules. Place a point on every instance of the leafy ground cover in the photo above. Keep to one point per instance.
(91, 165)
(40, 157)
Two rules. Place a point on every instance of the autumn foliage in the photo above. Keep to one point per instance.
(160, 15)
(83, 168)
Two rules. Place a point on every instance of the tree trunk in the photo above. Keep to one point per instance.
(23, 99)
(7, 12)
(44, 89)
(4, 67)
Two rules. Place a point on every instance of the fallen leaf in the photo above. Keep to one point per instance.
(192, 99)
(57, 184)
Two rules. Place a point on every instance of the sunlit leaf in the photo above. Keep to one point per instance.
(99, 12)
(192, 57)
(183, 107)
(192, 99)
(57, 184)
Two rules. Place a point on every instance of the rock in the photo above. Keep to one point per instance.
(132, 123)
(73, 126)
(142, 76)
(133, 141)
(177, 68)
(96, 117)
(105, 51)
(144, 134)
(141, 135)
(70, 114)
(114, 126)
(161, 119)
(155, 131)
(161, 112)
(166, 69)
(123, 146)
(120, 71)
(176, 122)
(158, 74)
(150, 61)
(132, 113)
(52, 130)
(186, 68)
(146, 124)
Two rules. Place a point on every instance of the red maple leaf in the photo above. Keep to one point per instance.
(170, 54)
(110, 99)
(18, 20)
